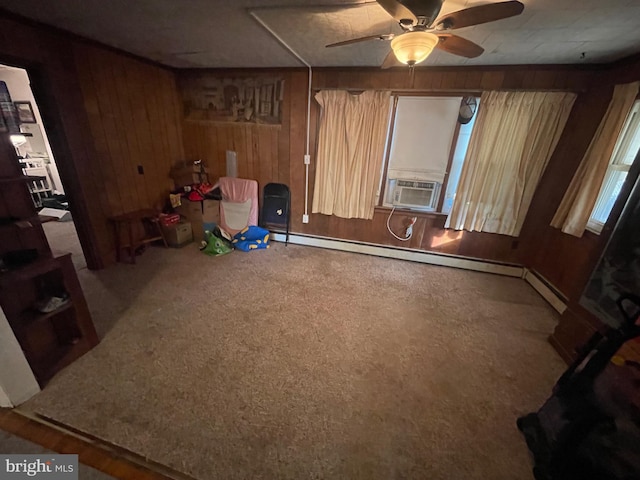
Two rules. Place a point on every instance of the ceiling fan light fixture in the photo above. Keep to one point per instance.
(412, 48)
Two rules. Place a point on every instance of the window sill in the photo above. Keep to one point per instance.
(431, 219)
(413, 213)
(595, 228)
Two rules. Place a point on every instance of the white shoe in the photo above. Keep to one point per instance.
(51, 304)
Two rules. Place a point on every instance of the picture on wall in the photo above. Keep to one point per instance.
(25, 112)
(245, 100)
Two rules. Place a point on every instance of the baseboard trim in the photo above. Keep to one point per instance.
(400, 253)
(543, 287)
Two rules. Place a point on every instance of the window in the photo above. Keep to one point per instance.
(460, 152)
(624, 153)
(419, 163)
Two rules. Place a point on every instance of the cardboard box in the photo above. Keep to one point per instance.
(198, 231)
(178, 234)
(211, 211)
(199, 214)
(207, 211)
(190, 210)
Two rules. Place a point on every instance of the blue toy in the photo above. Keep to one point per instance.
(251, 238)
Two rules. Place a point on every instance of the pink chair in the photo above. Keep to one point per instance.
(239, 205)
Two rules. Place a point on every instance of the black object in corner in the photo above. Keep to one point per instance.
(574, 435)
(276, 207)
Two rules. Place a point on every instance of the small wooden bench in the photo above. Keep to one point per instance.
(150, 222)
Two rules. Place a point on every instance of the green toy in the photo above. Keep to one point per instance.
(215, 245)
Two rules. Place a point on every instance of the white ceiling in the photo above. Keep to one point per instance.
(224, 34)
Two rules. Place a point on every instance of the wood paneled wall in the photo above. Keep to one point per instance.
(564, 260)
(263, 151)
(258, 148)
(624, 71)
(259, 158)
(430, 235)
(456, 79)
(135, 121)
(105, 113)
(569, 261)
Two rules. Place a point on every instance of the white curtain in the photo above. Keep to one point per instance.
(577, 204)
(513, 138)
(353, 130)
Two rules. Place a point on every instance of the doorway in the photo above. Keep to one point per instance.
(29, 138)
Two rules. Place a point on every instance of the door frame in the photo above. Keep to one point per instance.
(54, 127)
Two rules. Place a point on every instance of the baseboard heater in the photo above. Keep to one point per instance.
(399, 253)
(546, 290)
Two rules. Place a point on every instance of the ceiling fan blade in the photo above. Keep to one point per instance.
(391, 61)
(458, 45)
(384, 36)
(481, 14)
(398, 11)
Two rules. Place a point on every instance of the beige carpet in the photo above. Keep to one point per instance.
(297, 362)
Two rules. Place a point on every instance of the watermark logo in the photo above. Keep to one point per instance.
(44, 466)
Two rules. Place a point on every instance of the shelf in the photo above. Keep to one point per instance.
(50, 341)
(20, 178)
(38, 267)
(17, 225)
(22, 223)
(31, 317)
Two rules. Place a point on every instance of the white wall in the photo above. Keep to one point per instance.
(17, 383)
(19, 87)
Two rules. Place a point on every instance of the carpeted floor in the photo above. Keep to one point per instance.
(10, 444)
(297, 362)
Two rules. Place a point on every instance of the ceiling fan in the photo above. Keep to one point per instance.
(423, 30)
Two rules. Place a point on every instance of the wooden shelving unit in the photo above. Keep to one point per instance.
(50, 341)
(20, 179)
(42, 186)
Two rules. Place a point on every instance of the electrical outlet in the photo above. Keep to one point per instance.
(305, 218)
(307, 159)
(409, 231)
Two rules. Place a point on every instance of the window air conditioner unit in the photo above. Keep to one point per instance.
(416, 194)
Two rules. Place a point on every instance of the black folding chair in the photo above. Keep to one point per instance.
(276, 207)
